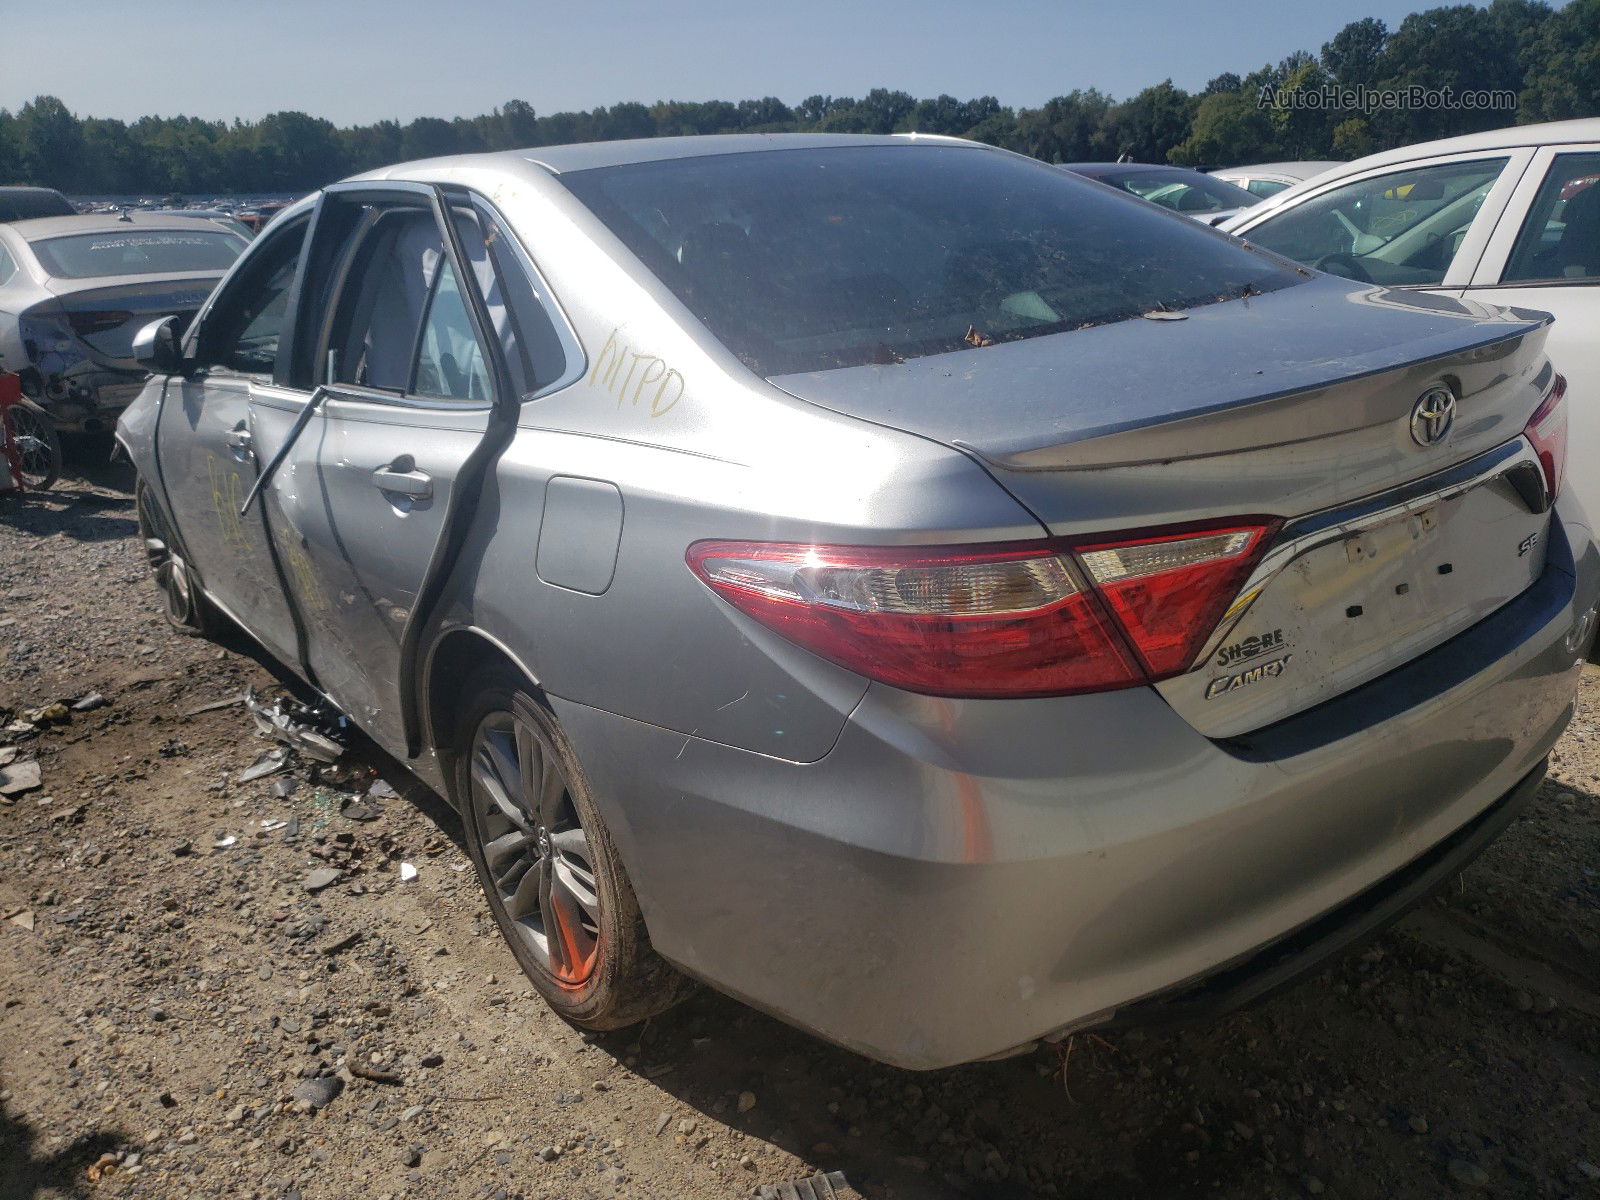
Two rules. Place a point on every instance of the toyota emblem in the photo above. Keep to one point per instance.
(1432, 416)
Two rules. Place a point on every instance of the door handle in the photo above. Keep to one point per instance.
(238, 440)
(416, 484)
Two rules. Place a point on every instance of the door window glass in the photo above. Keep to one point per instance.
(1265, 187)
(243, 330)
(1401, 228)
(450, 364)
(517, 310)
(1560, 240)
(8, 265)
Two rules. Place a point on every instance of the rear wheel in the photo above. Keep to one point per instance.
(183, 604)
(548, 866)
(38, 446)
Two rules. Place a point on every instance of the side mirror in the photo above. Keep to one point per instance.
(156, 349)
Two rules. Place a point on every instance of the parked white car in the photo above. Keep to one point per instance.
(1509, 217)
(1268, 179)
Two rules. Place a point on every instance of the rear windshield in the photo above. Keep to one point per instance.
(144, 252)
(1182, 191)
(805, 260)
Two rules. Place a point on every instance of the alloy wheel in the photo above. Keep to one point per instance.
(171, 572)
(535, 848)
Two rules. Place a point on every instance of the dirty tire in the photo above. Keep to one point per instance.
(626, 981)
(183, 604)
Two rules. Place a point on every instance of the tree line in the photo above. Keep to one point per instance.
(1547, 58)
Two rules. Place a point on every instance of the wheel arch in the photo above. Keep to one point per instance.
(456, 654)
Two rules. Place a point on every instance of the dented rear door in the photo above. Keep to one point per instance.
(361, 500)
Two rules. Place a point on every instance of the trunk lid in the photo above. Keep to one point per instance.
(1296, 405)
(106, 313)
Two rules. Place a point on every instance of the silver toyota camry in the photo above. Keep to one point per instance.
(910, 588)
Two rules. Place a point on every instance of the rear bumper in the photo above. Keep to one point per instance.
(959, 878)
(1236, 984)
(89, 398)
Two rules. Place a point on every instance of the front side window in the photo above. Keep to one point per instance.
(8, 266)
(1396, 229)
(1265, 187)
(243, 330)
(1560, 240)
(137, 252)
(806, 260)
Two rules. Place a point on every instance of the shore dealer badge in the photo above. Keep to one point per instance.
(1253, 646)
(1224, 684)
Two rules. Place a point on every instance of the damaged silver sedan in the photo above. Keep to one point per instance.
(913, 589)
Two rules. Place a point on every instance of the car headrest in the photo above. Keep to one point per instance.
(1578, 254)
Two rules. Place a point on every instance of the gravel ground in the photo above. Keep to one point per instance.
(181, 1015)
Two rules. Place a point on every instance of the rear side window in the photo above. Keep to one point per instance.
(145, 252)
(518, 308)
(1560, 241)
(805, 260)
(1265, 187)
(8, 266)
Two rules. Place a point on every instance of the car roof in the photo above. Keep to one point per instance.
(585, 156)
(1297, 170)
(1113, 168)
(38, 228)
(1583, 129)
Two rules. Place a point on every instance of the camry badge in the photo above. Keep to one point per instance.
(1432, 416)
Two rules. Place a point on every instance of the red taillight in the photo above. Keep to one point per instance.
(1168, 591)
(1547, 430)
(91, 321)
(996, 620)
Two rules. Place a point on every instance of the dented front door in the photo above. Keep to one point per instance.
(209, 460)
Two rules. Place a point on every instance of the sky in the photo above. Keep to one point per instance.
(355, 61)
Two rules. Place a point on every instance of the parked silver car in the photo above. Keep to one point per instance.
(74, 291)
(907, 586)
